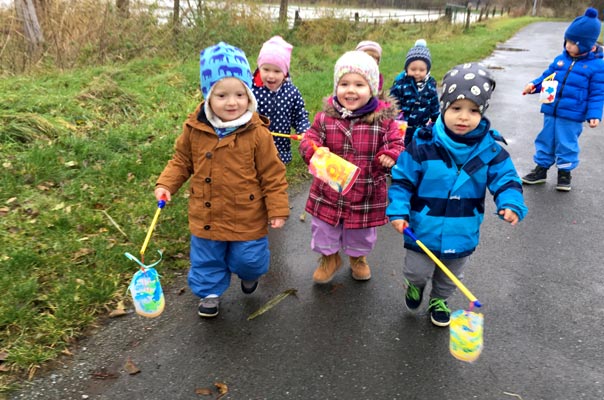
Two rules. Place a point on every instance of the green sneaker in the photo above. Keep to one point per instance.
(439, 312)
(413, 297)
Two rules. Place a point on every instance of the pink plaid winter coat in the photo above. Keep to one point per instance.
(360, 141)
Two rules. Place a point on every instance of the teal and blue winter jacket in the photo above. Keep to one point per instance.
(443, 201)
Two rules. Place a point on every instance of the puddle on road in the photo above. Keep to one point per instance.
(509, 49)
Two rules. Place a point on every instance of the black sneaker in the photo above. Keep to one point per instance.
(439, 312)
(563, 181)
(249, 287)
(537, 175)
(208, 307)
(413, 297)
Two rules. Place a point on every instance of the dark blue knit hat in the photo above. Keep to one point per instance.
(419, 52)
(223, 61)
(584, 31)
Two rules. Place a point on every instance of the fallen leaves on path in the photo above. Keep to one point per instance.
(120, 310)
(131, 368)
(221, 388)
(271, 303)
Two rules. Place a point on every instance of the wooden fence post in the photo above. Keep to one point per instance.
(283, 12)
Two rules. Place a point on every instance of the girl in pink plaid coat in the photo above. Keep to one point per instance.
(359, 127)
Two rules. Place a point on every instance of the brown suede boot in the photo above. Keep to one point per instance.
(360, 269)
(328, 265)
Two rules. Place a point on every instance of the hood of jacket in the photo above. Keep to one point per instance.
(198, 120)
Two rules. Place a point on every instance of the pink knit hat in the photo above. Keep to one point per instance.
(370, 45)
(276, 51)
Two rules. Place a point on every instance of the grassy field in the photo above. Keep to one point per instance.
(81, 150)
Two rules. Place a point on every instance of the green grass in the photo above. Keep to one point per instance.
(80, 153)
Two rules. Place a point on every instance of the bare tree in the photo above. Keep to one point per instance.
(176, 16)
(26, 11)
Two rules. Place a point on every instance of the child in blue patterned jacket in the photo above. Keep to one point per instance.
(278, 98)
(579, 97)
(439, 185)
(415, 90)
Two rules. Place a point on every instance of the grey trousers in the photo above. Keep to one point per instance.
(419, 268)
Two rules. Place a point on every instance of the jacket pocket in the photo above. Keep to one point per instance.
(249, 213)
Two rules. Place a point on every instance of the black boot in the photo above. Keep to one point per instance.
(563, 181)
(537, 175)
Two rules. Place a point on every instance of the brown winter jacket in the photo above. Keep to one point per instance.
(237, 183)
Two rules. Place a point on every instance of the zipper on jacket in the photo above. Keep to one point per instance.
(559, 95)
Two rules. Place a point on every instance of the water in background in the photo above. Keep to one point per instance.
(306, 12)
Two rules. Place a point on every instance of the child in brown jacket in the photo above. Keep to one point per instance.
(238, 187)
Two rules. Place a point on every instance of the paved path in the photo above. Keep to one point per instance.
(541, 284)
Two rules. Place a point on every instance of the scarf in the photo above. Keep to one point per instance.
(226, 128)
(371, 106)
(461, 146)
(422, 84)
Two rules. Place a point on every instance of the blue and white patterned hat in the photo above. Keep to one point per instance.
(419, 51)
(223, 61)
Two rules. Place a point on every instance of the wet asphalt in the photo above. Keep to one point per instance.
(541, 284)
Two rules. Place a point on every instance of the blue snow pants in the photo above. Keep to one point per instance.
(213, 262)
(558, 143)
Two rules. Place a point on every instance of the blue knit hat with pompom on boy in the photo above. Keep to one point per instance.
(584, 31)
(419, 51)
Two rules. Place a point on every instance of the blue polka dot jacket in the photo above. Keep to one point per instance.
(285, 109)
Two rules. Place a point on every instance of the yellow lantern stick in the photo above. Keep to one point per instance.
(473, 300)
(292, 136)
(160, 204)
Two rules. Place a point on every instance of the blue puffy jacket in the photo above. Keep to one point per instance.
(580, 91)
(444, 203)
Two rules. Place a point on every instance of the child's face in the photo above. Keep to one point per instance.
(229, 99)
(271, 76)
(462, 116)
(417, 69)
(572, 48)
(353, 91)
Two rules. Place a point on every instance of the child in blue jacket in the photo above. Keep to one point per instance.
(439, 185)
(415, 90)
(579, 97)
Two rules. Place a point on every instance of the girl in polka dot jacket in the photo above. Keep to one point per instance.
(278, 98)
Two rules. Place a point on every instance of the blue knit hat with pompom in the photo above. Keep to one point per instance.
(584, 31)
(419, 51)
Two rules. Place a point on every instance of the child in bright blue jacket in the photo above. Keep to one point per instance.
(439, 186)
(579, 97)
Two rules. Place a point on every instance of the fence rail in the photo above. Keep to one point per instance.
(295, 14)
